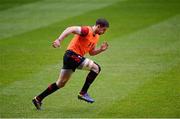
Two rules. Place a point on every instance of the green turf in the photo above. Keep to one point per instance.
(7, 4)
(140, 71)
(43, 13)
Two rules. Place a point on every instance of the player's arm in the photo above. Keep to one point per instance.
(65, 33)
(95, 51)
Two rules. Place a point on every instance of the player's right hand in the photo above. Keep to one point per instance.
(56, 43)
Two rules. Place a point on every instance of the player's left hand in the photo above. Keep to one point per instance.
(104, 46)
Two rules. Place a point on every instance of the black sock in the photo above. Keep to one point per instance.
(51, 88)
(89, 79)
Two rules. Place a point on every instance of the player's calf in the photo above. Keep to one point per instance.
(90, 78)
(96, 68)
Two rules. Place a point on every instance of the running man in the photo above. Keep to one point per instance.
(84, 41)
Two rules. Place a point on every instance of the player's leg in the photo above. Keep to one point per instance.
(63, 78)
(94, 69)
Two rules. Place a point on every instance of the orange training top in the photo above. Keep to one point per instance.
(82, 44)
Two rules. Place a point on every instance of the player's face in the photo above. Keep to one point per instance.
(101, 30)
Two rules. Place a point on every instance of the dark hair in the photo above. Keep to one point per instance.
(102, 22)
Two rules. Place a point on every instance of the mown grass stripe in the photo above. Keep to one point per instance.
(7, 4)
(43, 13)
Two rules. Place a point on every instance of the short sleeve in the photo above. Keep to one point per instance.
(84, 31)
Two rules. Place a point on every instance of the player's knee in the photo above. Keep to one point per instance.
(97, 68)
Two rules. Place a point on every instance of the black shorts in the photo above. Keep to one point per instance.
(71, 60)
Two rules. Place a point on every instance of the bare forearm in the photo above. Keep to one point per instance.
(65, 33)
(95, 51)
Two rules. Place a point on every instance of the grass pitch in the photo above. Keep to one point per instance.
(140, 71)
